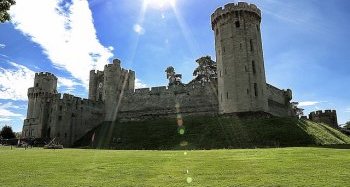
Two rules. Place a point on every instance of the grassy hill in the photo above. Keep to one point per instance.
(212, 133)
(234, 167)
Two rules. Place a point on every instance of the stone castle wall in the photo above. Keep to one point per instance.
(191, 99)
(328, 117)
(72, 117)
(279, 101)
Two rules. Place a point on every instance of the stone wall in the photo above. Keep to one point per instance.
(72, 117)
(328, 117)
(148, 103)
(279, 101)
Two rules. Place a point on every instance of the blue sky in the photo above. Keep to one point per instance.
(305, 46)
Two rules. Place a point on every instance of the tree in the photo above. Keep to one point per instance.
(297, 111)
(7, 133)
(174, 79)
(4, 7)
(206, 70)
(347, 125)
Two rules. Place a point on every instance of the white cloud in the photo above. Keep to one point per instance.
(139, 29)
(347, 110)
(66, 33)
(139, 84)
(69, 83)
(2, 45)
(6, 114)
(5, 119)
(14, 82)
(308, 103)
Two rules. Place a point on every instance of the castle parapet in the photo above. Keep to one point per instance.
(328, 117)
(232, 7)
(46, 75)
(142, 90)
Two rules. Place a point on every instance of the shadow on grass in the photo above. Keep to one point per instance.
(202, 133)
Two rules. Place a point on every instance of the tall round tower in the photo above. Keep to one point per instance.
(39, 98)
(239, 56)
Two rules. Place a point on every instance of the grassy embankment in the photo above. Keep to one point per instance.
(213, 133)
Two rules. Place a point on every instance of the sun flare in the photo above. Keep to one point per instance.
(159, 4)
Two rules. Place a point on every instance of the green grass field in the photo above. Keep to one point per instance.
(237, 167)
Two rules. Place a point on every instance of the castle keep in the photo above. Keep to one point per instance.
(240, 86)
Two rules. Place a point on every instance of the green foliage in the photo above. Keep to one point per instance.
(4, 8)
(206, 69)
(237, 167)
(7, 133)
(347, 125)
(213, 133)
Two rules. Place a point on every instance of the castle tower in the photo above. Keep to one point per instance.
(239, 56)
(39, 98)
(116, 81)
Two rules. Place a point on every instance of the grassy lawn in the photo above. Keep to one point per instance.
(237, 167)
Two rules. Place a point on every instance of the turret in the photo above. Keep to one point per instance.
(39, 99)
(92, 85)
(239, 55)
(116, 81)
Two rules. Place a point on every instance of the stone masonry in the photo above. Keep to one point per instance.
(240, 87)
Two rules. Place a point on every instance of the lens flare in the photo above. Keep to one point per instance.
(160, 4)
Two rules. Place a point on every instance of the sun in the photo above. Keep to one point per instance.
(159, 4)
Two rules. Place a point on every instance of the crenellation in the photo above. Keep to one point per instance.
(158, 89)
(328, 117)
(232, 7)
(142, 90)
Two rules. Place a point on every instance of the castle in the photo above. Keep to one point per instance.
(240, 86)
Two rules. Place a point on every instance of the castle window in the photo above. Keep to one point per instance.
(226, 95)
(253, 66)
(58, 135)
(256, 89)
(220, 73)
(59, 118)
(251, 45)
(65, 135)
(217, 32)
(245, 68)
(237, 24)
(247, 91)
(37, 85)
(258, 28)
(60, 108)
(225, 71)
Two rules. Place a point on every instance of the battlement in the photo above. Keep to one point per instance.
(167, 89)
(232, 7)
(46, 75)
(35, 92)
(116, 63)
(75, 101)
(328, 117)
(96, 72)
(326, 112)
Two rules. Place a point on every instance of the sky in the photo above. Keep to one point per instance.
(305, 46)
